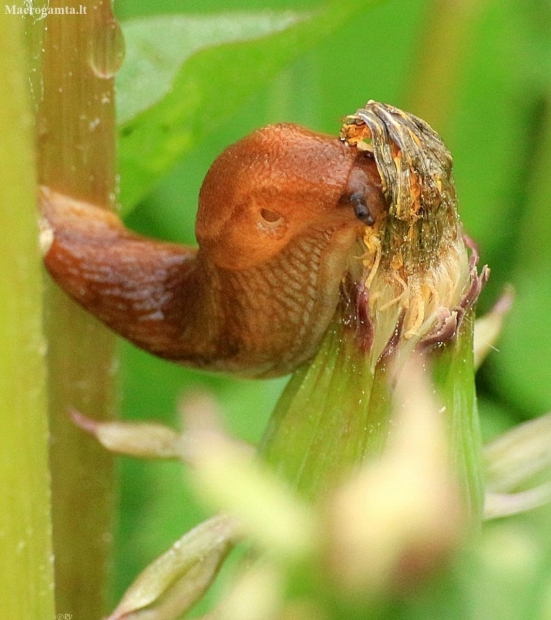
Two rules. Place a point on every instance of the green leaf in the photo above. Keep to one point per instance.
(524, 362)
(174, 581)
(185, 76)
(157, 47)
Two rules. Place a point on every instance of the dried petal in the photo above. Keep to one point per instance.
(140, 439)
(488, 328)
(515, 458)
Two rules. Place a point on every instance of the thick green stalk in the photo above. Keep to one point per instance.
(454, 373)
(26, 570)
(333, 414)
(76, 156)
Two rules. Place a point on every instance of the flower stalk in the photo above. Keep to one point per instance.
(76, 155)
(26, 569)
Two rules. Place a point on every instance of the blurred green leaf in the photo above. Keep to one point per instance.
(524, 363)
(158, 47)
(173, 95)
(487, 130)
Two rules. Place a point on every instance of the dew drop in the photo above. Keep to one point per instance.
(107, 48)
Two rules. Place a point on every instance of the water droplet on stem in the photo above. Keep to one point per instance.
(107, 47)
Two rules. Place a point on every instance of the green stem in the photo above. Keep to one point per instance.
(26, 571)
(333, 414)
(76, 139)
(336, 413)
(453, 368)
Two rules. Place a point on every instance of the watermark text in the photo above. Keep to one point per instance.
(42, 11)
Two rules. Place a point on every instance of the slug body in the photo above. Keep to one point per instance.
(281, 213)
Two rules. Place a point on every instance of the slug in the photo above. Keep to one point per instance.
(281, 215)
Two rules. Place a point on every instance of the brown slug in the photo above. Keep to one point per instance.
(281, 213)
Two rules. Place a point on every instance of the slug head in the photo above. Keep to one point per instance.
(275, 184)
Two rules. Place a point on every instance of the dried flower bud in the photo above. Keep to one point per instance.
(139, 439)
(418, 276)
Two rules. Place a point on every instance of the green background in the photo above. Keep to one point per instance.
(493, 110)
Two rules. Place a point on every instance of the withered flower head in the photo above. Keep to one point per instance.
(417, 272)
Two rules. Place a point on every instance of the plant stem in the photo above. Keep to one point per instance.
(76, 140)
(336, 413)
(454, 374)
(26, 570)
(333, 414)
